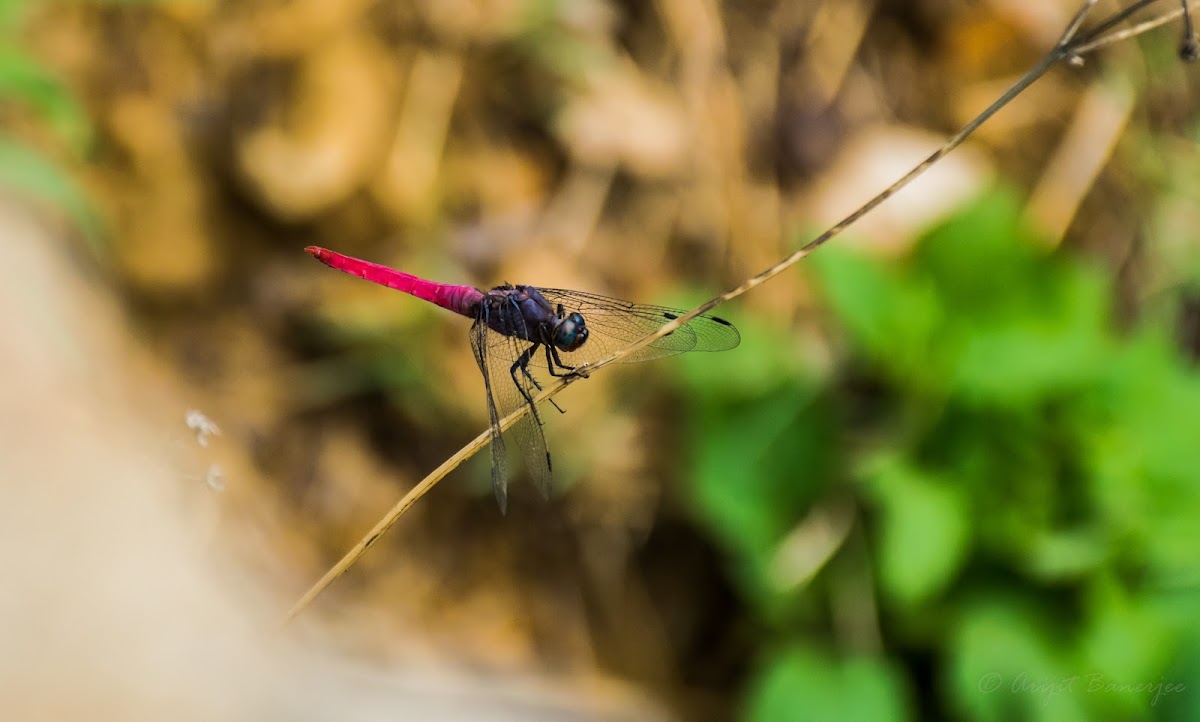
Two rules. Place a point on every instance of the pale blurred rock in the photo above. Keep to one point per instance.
(113, 606)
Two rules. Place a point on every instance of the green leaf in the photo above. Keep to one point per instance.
(1053, 343)
(1123, 639)
(804, 684)
(757, 468)
(1069, 554)
(924, 532)
(889, 317)
(1176, 698)
(981, 256)
(1004, 665)
(1141, 454)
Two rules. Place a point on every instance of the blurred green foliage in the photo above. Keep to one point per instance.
(29, 88)
(1025, 476)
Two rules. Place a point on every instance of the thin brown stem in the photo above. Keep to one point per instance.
(1073, 26)
(1096, 40)
(1115, 19)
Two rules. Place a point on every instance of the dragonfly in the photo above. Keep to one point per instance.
(555, 330)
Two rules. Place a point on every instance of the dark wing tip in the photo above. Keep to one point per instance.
(725, 338)
(718, 319)
(544, 485)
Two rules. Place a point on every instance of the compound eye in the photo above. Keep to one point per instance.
(571, 332)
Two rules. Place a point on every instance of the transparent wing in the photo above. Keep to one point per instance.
(479, 347)
(613, 324)
(508, 390)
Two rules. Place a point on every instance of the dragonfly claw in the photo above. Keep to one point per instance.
(581, 371)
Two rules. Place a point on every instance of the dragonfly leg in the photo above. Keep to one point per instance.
(580, 370)
(553, 360)
(523, 364)
(550, 362)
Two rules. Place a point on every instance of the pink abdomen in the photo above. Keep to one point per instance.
(459, 299)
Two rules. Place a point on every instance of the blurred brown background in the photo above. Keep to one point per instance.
(658, 151)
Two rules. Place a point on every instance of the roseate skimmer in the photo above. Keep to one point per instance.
(548, 328)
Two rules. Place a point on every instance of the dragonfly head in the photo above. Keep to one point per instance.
(570, 332)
